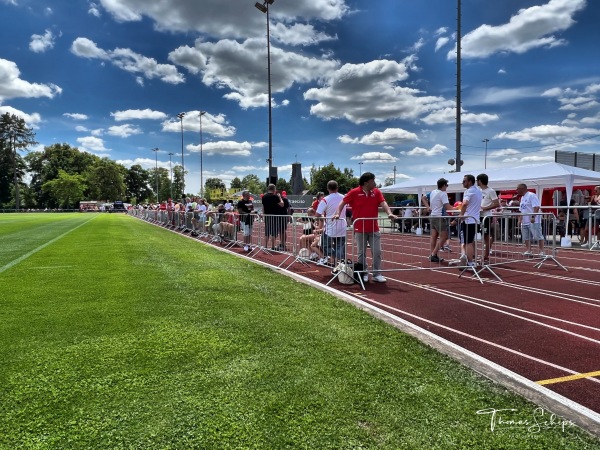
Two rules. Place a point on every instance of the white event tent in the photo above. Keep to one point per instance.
(535, 176)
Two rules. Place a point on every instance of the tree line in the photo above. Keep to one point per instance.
(60, 176)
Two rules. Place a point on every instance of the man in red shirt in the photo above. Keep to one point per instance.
(365, 201)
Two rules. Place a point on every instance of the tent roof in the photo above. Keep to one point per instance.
(535, 176)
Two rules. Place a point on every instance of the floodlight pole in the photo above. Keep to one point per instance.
(200, 114)
(155, 150)
(360, 168)
(458, 88)
(181, 115)
(485, 141)
(171, 173)
(265, 9)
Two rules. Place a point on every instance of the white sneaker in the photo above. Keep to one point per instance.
(527, 253)
(313, 256)
(246, 248)
(379, 278)
(471, 264)
(365, 277)
(463, 260)
(586, 245)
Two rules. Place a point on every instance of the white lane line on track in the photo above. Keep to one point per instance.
(464, 298)
(41, 247)
(476, 301)
(484, 341)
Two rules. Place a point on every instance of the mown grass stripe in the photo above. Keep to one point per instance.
(41, 247)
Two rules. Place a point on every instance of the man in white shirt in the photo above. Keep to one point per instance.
(531, 225)
(334, 235)
(438, 203)
(489, 202)
(470, 210)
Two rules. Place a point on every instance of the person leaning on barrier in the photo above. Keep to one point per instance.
(246, 210)
(489, 202)
(531, 225)
(271, 203)
(365, 201)
(470, 210)
(438, 201)
(334, 230)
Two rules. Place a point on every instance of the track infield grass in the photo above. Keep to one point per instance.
(118, 334)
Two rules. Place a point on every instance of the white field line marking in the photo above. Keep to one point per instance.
(484, 341)
(41, 247)
(559, 277)
(462, 298)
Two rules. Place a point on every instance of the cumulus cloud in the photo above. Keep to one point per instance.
(12, 86)
(389, 136)
(375, 158)
(216, 125)
(548, 134)
(128, 60)
(138, 114)
(227, 148)
(41, 42)
(534, 27)
(420, 151)
(92, 144)
(234, 20)
(124, 130)
(76, 116)
(448, 115)
(370, 91)
(31, 119)
(239, 67)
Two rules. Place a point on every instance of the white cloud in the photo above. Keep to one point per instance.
(124, 130)
(76, 116)
(534, 27)
(389, 136)
(548, 134)
(11, 86)
(363, 92)
(41, 43)
(81, 129)
(92, 144)
(215, 125)
(240, 68)
(32, 120)
(375, 158)
(227, 148)
(94, 10)
(448, 115)
(128, 60)
(419, 151)
(141, 114)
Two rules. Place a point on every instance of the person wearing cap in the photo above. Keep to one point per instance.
(245, 209)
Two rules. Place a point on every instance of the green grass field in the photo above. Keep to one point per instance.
(118, 334)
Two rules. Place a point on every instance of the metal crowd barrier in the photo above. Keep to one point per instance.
(294, 238)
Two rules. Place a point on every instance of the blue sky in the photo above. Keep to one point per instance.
(353, 81)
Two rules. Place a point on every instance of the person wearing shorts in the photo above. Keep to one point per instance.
(245, 209)
(470, 208)
(438, 204)
(489, 203)
(531, 225)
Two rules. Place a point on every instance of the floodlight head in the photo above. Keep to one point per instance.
(202, 113)
(181, 115)
(270, 2)
(261, 8)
